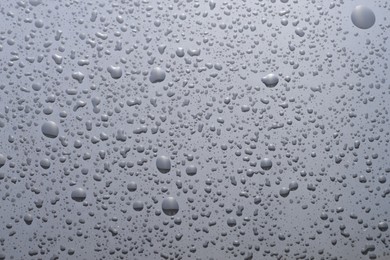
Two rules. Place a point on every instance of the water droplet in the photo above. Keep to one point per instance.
(79, 194)
(50, 129)
(28, 219)
(363, 17)
(270, 80)
(266, 164)
(157, 74)
(132, 186)
(170, 206)
(138, 205)
(284, 192)
(231, 222)
(383, 226)
(163, 164)
(191, 170)
(115, 71)
(3, 159)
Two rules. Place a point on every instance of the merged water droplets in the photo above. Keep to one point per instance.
(157, 74)
(115, 71)
(270, 80)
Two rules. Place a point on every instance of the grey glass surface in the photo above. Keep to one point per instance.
(194, 129)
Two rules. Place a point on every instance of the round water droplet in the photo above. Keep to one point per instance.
(45, 163)
(266, 164)
(157, 74)
(363, 17)
(2, 160)
(79, 194)
(28, 219)
(132, 186)
(324, 216)
(191, 170)
(231, 222)
(180, 52)
(383, 226)
(138, 205)
(50, 129)
(293, 186)
(163, 164)
(382, 178)
(170, 206)
(284, 192)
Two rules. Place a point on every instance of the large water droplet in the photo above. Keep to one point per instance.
(191, 170)
(266, 164)
(383, 226)
(115, 71)
(2, 160)
(157, 74)
(163, 164)
(284, 192)
(271, 80)
(138, 205)
(79, 194)
(170, 206)
(50, 129)
(363, 17)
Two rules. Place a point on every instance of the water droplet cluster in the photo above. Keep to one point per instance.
(194, 129)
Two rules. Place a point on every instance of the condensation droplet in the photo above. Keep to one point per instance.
(270, 80)
(79, 194)
(363, 17)
(157, 74)
(50, 129)
(170, 206)
(163, 164)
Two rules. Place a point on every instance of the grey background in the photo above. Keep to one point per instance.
(342, 75)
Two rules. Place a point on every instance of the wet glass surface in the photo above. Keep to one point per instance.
(194, 129)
